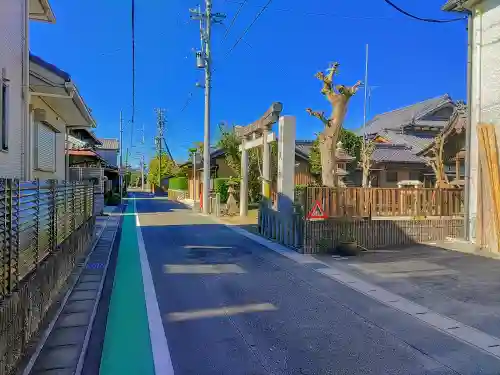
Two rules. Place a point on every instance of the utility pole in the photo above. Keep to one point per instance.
(142, 160)
(364, 144)
(204, 61)
(366, 96)
(121, 156)
(160, 124)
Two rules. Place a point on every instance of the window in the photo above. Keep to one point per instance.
(415, 175)
(45, 148)
(4, 91)
(391, 176)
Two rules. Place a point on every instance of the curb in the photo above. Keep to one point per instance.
(44, 337)
(83, 353)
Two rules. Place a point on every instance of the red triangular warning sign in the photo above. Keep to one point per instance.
(317, 212)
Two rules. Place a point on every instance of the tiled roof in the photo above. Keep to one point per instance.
(385, 152)
(456, 124)
(453, 5)
(404, 116)
(75, 143)
(50, 67)
(304, 147)
(414, 142)
(82, 153)
(109, 144)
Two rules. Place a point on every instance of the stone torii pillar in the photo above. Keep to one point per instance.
(262, 135)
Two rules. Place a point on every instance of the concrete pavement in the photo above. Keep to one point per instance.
(211, 301)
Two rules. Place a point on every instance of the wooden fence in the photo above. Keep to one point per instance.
(382, 202)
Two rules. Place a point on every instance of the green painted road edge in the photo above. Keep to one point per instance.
(127, 343)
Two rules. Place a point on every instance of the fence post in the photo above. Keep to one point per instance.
(37, 222)
(53, 215)
(72, 218)
(3, 187)
(13, 253)
(85, 193)
(93, 211)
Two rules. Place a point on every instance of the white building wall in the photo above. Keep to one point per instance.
(11, 58)
(485, 98)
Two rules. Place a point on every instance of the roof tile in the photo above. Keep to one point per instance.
(404, 116)
(109, 144)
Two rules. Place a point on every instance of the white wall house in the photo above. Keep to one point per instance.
(14, 75)
(38, 102)
(56, 107)
(483, 84)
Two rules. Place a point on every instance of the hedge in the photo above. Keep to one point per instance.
(178, 183)
(221, 186)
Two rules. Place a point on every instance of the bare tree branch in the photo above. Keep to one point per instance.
(318, 115)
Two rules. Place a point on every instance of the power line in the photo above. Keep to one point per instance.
(257, 16)
(347, 17)
(420, 18)
(132, 16)
(133, 62)
(233, 20)
(319, 14)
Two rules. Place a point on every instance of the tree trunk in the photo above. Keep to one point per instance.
(328, 170)
(364, 182)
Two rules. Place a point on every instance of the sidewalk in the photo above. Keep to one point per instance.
(61, 349)
(462, 286)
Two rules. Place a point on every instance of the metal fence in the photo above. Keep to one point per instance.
(35, 218)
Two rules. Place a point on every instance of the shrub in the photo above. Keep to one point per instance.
(221, 187)
(178, 183)
(113, 200)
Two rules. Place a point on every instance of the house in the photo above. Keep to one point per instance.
(400, 135)
(483, 94)
(14, 78)
(88, 161)
(109, 150)
(56, 110)
(303, 175)
(453, 135)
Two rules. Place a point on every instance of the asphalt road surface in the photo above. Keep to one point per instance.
(228, 305)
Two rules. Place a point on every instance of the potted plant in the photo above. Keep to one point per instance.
(347, 244)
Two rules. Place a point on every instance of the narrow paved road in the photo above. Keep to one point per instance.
(231, 306)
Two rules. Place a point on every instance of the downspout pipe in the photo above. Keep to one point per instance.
(470, 34)
(26, 115)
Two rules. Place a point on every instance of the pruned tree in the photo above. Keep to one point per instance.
(338, 96)
(435, 160)
(367, 149)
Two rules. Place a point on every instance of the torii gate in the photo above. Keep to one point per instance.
(259, 134)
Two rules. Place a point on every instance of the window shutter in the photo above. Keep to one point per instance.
(46, 148)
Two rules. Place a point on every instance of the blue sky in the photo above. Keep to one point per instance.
(409, 60)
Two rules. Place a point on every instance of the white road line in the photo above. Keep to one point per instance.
(159, 345)
(461, 332)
